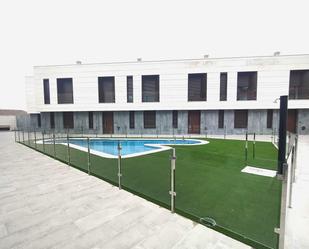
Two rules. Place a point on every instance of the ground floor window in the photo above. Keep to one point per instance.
(175, 119)
(52, 120)
(149, 119)
(132, 120)
(240, 118)
(90, 120)
(39, 120)
(221, 119)
(68, 120)
(269, 119)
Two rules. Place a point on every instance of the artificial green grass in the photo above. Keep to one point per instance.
(209, 183)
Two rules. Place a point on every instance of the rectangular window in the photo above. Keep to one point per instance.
(223, 86)
(175, 119)
(221, 119)
(197, 86)
(149, 119)
(130, 89)
(270, 119)
(299, 84)
(240, 118)
(65, 90)
(150, 88)
(132, 119)
(90, 120)
(68, 120)
(52, 120)
(106, 89)
(246, 85)
(46, 91)
(39, 120)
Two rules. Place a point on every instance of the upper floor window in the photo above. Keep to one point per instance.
(221, 119)
(175, 119)
(90, 120)
(68, 120)
(46, 91)
(223, 86)
(132, 119)
(130, 89)
(149, 119)
(240, 118)
(246, 85)
(65, 90)
(299, 84)
(106, 89)
(197, 86)
(150, 88)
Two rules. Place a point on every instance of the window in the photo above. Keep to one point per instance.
(223, 86)
(269, 119)
(132, 120)
(221, 119)
(52, 120)
(175, 119)
(39, 120)
(106, 89)
(246, 85)
(149, 119)
(197, 84)
(90, 120)
(65, 91)
(46, 91)
(299, 84)
(240, 118)
(68, 120)
(130, 89)
(150, 88)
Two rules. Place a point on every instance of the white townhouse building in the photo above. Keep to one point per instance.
(191, 96)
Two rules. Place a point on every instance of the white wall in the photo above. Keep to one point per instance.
(273, 81)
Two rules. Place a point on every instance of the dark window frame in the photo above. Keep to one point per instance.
(223, 86)
(150, 119)
(197, 87)
(132, 119)
(247, 91)
(221, 119)
(269, 121)
(240, 122)
(299, 84)
(175, 119)
(46, 91)
(90, 120)
(106, 95)
(151, 93)
(130, 94)
(64, 97)
(68, 120)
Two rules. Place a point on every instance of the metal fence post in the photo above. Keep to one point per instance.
(246, 149)
(54, 144)
(88, 143)
(253, 145)
(119, 165)
(23, 136)
(68, 148)
(172, 191)
(28, 137)
(224, 131)
(291, 177)
(43, 141)
(35, 139)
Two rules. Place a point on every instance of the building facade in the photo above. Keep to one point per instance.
(198, 96)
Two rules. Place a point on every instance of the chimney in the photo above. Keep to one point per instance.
(277, 53)
(139, 59)
(206, 56)
(78, 62)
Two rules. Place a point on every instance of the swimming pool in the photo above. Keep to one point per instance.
(130, 147)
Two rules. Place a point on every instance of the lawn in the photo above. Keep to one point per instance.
(209, 183)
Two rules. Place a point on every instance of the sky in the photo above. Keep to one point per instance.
(43, 32)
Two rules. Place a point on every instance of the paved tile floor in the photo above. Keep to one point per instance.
(46, 204)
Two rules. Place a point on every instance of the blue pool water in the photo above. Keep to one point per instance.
(128, 146)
